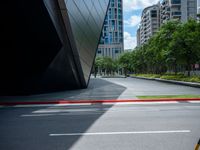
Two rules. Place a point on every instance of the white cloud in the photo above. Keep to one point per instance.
(137, 4)
(132, 21)
(130, 42)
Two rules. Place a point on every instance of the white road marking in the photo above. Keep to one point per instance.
(86, 96)
(49, 110)
(121, 133)
(52, 105)
(145, 103)
(38, 115)
(60, 114)
(194, 101)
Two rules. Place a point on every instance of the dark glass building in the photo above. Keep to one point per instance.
(111, 43)
(48, 44)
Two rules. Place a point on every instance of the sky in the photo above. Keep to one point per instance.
(132, 16)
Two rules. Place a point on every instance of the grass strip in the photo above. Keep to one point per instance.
(178, 77)
(168, 96)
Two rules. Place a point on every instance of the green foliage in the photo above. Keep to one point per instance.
(106, 64)
(176, 46)
(148, 75)
(181, 78)
(168, 96)
(125, 60)
(177, 77)
(186, 44)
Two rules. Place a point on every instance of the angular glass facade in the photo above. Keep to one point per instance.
(52, 44)
(111, 43)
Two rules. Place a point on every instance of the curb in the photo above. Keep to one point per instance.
(142, 78)
(191, 84)
(96, 101)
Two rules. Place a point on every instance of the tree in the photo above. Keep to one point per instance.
(125, 61)
(164, 54)
(108, 65)
(98, 65)
(186, 42)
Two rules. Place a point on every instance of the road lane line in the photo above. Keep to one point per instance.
(89, 104)
(68, 113)
(60, 110)
(38, 115)
(51, 105)
(61, 114)
(145, 103)
(194, 101)
(121, 133)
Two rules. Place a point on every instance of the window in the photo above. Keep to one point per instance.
(176, 1)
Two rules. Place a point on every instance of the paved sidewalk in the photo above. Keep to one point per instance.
(98, 89)
(108, 89)
(142, 87)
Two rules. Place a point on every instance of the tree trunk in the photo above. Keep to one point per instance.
(189, 69)
(175, 68)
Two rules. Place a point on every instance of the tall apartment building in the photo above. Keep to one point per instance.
(178, 9)
(138, 37)
(111, 42)
(154, 16)
(149, 24)
(198, 6)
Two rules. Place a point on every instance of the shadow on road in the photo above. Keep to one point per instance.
(18, 132)
(32, 132)
(98, 89)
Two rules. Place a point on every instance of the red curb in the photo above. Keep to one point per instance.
(95, 101)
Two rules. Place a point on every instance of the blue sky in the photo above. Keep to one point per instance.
(132, 15)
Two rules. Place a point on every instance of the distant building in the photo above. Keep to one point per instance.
(138, 37)
(111, 42)
(178, 10)
(150, 22)
(154, 16)
(198, 6)
(128, 50)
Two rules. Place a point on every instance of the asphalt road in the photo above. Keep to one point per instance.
(101, 127)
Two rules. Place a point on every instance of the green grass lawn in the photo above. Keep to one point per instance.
(178, 77)
(168, 96)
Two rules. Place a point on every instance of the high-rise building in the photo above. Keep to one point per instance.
(154, 16)
(111, 42)
(149, 23)
(178, 9)
(198, 6)
(138, 37)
